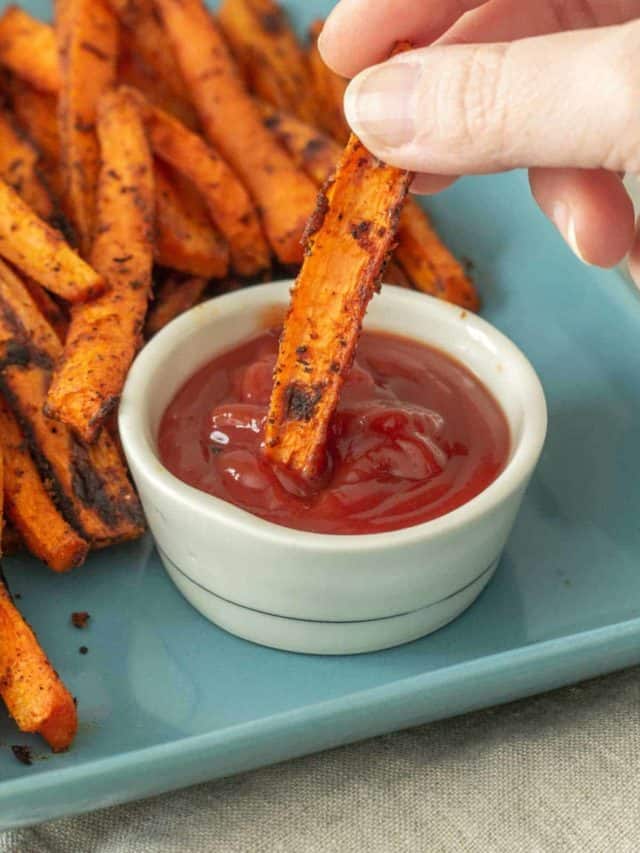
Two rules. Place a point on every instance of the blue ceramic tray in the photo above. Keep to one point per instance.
(166, 699)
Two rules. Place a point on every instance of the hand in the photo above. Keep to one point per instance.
(550, 85)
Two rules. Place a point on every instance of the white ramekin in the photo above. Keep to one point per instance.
(318, 593)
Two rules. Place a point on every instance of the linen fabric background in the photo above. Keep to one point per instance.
(559, 772)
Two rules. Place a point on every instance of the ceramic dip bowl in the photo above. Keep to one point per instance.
(321, 593)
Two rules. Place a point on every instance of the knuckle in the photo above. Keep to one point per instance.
(622, 83)
(466, 101)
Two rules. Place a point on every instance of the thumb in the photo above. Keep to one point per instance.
(568, 99)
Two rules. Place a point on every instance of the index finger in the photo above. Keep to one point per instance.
(359, 33)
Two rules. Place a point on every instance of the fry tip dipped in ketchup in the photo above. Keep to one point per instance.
(415, 436)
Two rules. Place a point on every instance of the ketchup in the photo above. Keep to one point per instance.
(415, 436)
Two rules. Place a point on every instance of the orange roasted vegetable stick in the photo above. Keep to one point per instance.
(394, 274)
(31, 689)
(173, 297)
(422, 258)
(268, 52)
(185, 238)
(88, 44)
(328, 88)
(19, 168)
(36, 113)
(81, 479)
(227, 200)
(28, 504)
(52, 311)
(148, 40)
(232, 122)
(89, 485)
(133, 71)
(28, 48)
(347, 243)
(429, 264)
(12, 542)
(41, 251)
(105, 333)
(312, 150)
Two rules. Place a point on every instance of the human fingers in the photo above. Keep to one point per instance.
(507, 20)
(359, 33)
(431, 184)
(482, 108)
(591, 209)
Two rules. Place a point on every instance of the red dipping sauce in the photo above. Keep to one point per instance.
(415, 436)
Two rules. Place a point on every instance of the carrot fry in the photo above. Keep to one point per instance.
(311, 150)
(12, 542)
(347, 243)
(268, 52)
(394, 274)
(41, 251)
(429, 264)
(19, 168)
(33, 692)
(173, 298)
(36, 113)
(132, 71)
(423, 260)
(88, 45)
(148, 40)
(185, 237)
(51, 310)
(105, 333)
(227, 201)
(232, 122)
(329, 89)
(91, 490)
(28, 505)
(28, 48)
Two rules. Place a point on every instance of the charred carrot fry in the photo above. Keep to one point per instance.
(28, 49)
(88, 45)
(429, 264)
(21, 167)
(12, 542)
(51, 310)
(268, 52)
(78, 482)
(148, 40)
(394, 274)
(91, 490)
(347, 243)
(185, 238)
(423, 260)
(36, 113)
(41, 251)
(329, 89)
(105, 333)
(313, 151)
(28, 504)
(31, 689)
(233, 124)
(133, 71)
(228, 203)
(173, 298)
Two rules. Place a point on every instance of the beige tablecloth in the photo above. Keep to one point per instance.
(560, 772)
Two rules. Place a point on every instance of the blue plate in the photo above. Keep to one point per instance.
(166, 699)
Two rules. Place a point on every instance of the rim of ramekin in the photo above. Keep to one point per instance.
(135, 428)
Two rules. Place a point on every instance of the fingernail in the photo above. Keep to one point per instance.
(565, 222)
(379, 104)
